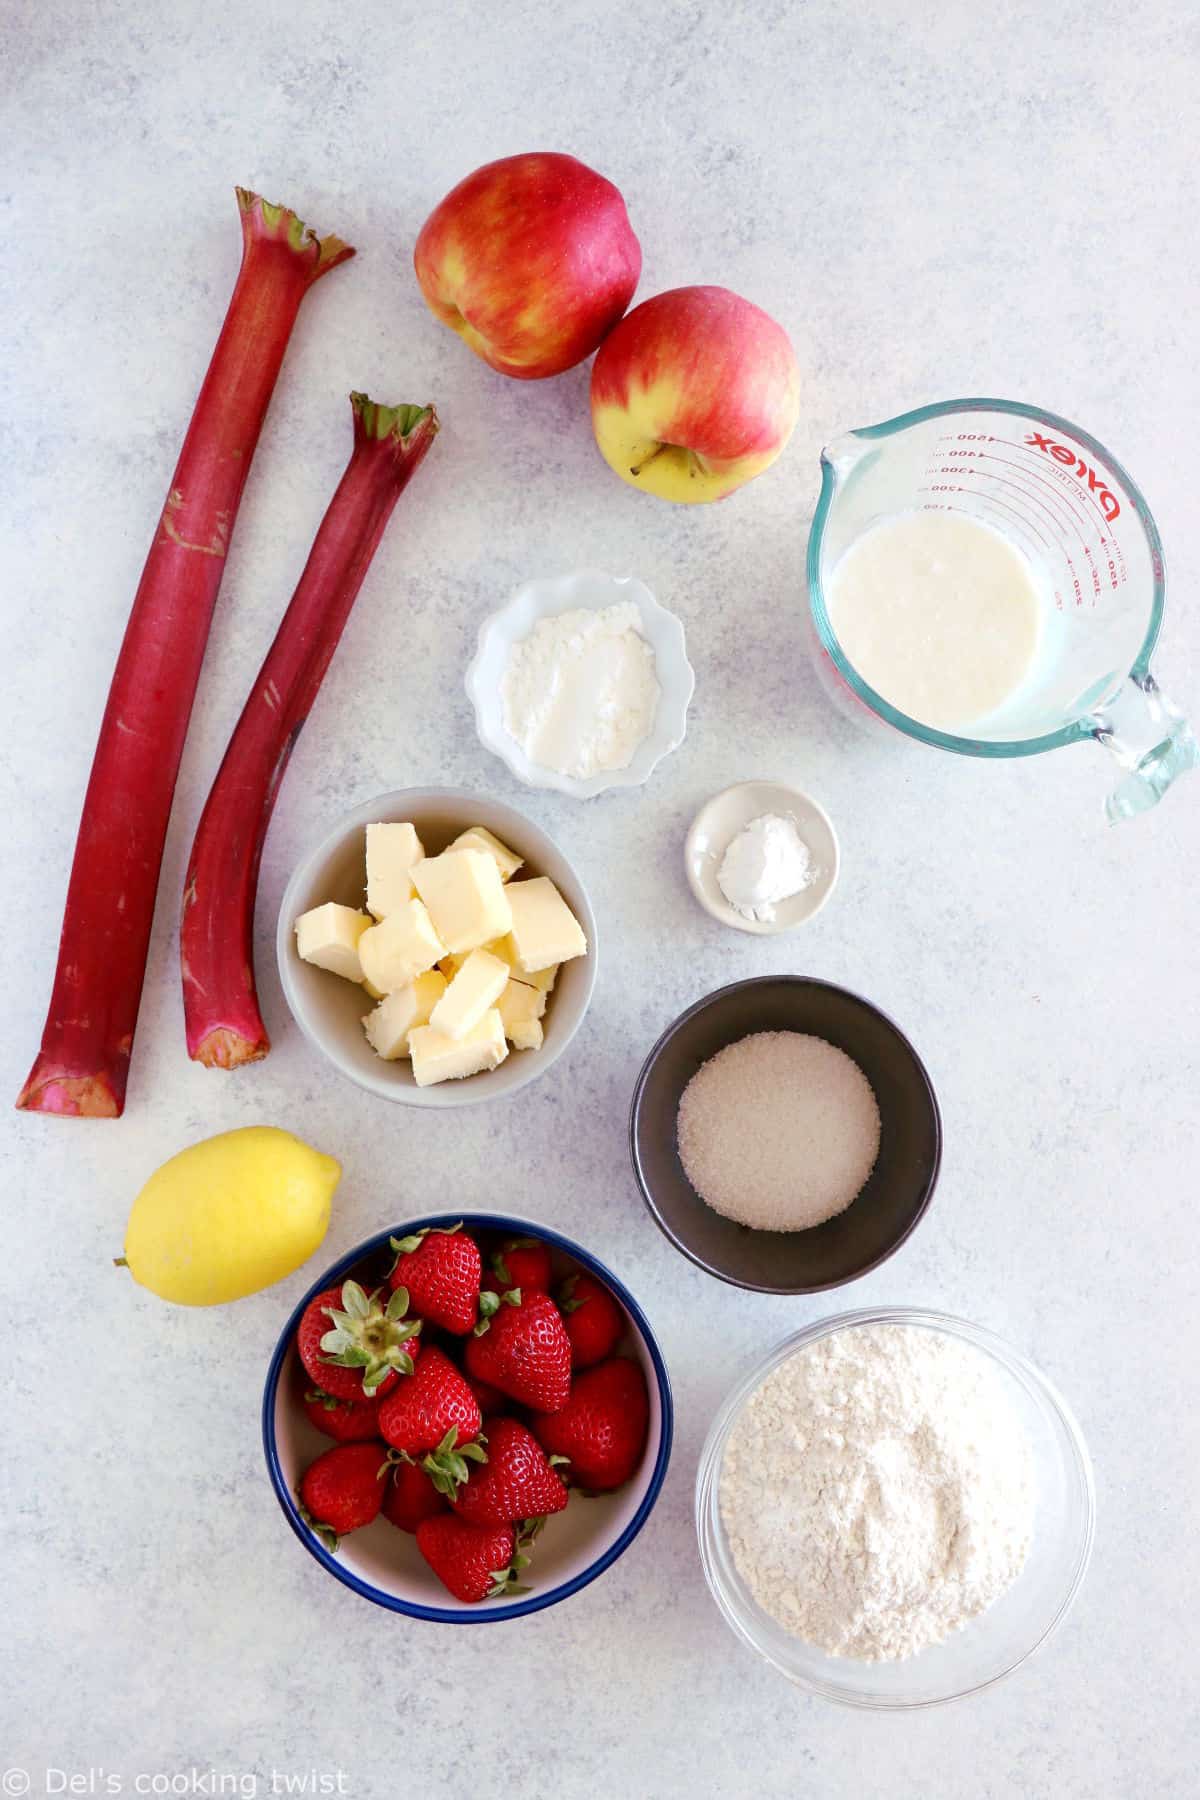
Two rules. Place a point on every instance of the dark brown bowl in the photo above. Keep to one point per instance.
(897, 1192)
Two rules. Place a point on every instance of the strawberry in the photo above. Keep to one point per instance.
(522, 1263)
(522, 1348)
(432, 1401)
(352, 1346)
(343, 1490)
(476, 1562)
(602, 1428)
(516, 1482)
(441, 1271)
(490, 1399)
(349, 1421)
(410, 1496)
(594, 1321)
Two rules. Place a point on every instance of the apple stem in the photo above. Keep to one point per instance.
(636, 468)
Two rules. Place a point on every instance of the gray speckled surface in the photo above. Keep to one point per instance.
(933, 204)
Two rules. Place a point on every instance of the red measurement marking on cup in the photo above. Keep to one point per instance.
(1040, 492)
(1109, 565)
(1068, 456)
(1001, 481)
(1103, 567)
(1085, 541)
(1064, 477)
(982, 493)
(1064, 470)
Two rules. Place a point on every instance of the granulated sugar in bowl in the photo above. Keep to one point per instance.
(778, 1131)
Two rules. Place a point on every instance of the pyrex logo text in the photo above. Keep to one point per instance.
(1108, 503)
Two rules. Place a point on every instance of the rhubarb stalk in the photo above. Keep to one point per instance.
(84, 1059)
(216, 940)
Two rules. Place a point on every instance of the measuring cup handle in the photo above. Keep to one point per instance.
(1151, 740)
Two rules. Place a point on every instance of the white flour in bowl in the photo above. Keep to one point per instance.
(877, 1490)
(580, 693)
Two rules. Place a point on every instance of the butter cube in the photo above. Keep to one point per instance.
(436, 1057)
(540, 978)
(480, 838)
(501, 947)
(544, 929)
(387, 1028)
(476, 987)
(329, 936)
(466, 898)
(543, 979)
(399, 948)
(528, 1036)
(519, 1008)
(391, 852)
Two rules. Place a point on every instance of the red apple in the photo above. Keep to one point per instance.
(694, 393)
(531, 260)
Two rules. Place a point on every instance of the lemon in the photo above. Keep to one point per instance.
(229, 1216)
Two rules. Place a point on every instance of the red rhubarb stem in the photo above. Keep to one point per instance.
(216, 939)
(84, 1059)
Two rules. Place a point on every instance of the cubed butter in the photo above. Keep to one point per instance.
(501, 947)
(544, 979)
(329, 936)
(391, 852)
(436, 1057)
(478, 837)
(544, 929)
(477, 986)
(528, 1035)
(387, 1028)
(467, 901)
(401, 947)
(540, 978)
(519, 1007)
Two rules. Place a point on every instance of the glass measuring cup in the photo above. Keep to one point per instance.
(1094, 549)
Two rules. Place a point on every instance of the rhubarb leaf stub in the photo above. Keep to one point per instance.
(263, 219)
(372, 420)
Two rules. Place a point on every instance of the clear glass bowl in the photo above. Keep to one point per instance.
(1000, 1639)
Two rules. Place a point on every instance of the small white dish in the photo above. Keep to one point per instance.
(329, 1011)
(718, 823)
(545, 599)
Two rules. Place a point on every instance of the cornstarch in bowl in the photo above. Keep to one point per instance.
(778, 1131)
(580, 693)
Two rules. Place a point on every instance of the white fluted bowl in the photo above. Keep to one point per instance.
(592, 591)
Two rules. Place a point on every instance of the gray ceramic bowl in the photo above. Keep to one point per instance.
(897, 1192)
(330, 1010)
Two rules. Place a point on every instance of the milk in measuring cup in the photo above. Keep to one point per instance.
(939, 613)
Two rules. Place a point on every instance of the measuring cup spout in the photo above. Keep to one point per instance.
(1151, 741)
(843, 452)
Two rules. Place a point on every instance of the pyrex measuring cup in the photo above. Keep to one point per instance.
(1090, 540)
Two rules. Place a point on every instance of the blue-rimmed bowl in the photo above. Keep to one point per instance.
(382, 1563)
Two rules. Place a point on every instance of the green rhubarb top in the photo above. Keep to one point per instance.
(264, 219)
(376, 421)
